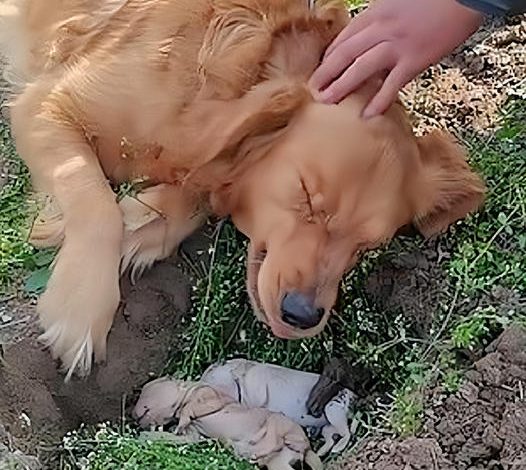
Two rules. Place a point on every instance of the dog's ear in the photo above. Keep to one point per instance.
(224, 137)
(334, 13)
(448, 189)
(243, 37)
(237, 40)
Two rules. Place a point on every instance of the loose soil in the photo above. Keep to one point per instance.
(481, 427)
(410, 281)
(37, 407)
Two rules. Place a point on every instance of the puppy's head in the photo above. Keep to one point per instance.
(159, 401)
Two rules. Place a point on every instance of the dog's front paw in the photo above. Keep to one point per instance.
(77, 310)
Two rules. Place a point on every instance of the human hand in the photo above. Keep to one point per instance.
(399, 38)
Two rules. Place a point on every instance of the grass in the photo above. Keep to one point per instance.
(486, 271)
(490, 248)
(105, 447)
(17, 257)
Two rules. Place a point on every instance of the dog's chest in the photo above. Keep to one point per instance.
(128, 155)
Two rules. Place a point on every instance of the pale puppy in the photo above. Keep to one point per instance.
(256, 434)
(284, 391)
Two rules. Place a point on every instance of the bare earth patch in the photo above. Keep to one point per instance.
(481, 427)
(468, 90)
(410, 281)
(37, 407)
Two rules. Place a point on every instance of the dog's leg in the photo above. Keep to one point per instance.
(48, 227)
(156, 221)
(82, 294)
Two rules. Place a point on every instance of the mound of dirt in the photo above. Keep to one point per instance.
(35, 403)
(411, 282)
(481, 427)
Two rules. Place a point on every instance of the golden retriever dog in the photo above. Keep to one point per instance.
(207, 102)
(261, 436)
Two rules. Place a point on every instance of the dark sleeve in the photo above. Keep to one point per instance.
(496, 7)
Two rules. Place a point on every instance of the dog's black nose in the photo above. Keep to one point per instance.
(298, 310)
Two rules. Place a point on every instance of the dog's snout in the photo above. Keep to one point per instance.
(298, 310)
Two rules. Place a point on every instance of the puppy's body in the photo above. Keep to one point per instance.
(266, 385)
(282, 390)
(256, 434)
(207, 102)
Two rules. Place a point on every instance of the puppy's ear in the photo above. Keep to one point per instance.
(225, 137)
(449, 189)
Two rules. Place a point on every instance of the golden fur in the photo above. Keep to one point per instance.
(207, 101)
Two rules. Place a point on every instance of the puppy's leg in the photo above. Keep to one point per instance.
(328, 433)
(155, 223)
(282, 460)
(82, 294)
(313, 460)
(336, 414)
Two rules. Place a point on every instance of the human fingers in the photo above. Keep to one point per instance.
(346, 53)
(388, 93)
(375, 60)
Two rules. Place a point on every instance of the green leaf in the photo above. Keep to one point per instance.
(37, 281)
(44, 258)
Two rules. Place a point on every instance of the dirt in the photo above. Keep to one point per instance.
(469, 89)
(411, 281)
(37, 407)
(481, 427)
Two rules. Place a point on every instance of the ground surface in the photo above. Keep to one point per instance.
(417, 314)
(481, 427)
(139, 348)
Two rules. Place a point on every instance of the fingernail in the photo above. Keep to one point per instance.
(325, 96)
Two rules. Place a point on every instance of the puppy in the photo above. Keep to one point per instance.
(255, 434)
(286, 391)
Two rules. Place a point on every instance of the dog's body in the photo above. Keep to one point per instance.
(283, 390)
(207, 101)
(256, 434)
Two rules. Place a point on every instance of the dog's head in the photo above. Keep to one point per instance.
(159, 401)
(313, 186)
